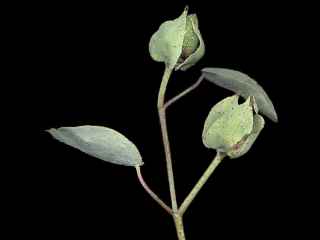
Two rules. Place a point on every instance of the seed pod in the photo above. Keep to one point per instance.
(178, 43)
(232, 128)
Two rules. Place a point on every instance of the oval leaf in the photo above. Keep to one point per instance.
(101, 142)
(242, 85)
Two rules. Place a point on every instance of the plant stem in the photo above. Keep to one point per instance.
(151, 193)
(163, 87)
(178, 221)
(165, 138)
(188, 200)
(189, 89)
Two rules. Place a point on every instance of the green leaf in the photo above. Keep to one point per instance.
(242, 85)
(100, 142)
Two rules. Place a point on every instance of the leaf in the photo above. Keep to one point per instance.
(243, 85)
(166, 44)
(100, 142)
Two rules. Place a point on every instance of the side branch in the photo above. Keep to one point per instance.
(151, 193)
(185, 92)
(213, 165)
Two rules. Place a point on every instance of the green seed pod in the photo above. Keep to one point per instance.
(178, 43)
(245, 144)
(191, 40)
(232, 128)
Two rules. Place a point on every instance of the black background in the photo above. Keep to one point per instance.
(88, 64)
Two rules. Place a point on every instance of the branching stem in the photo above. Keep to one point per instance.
(174, 211)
